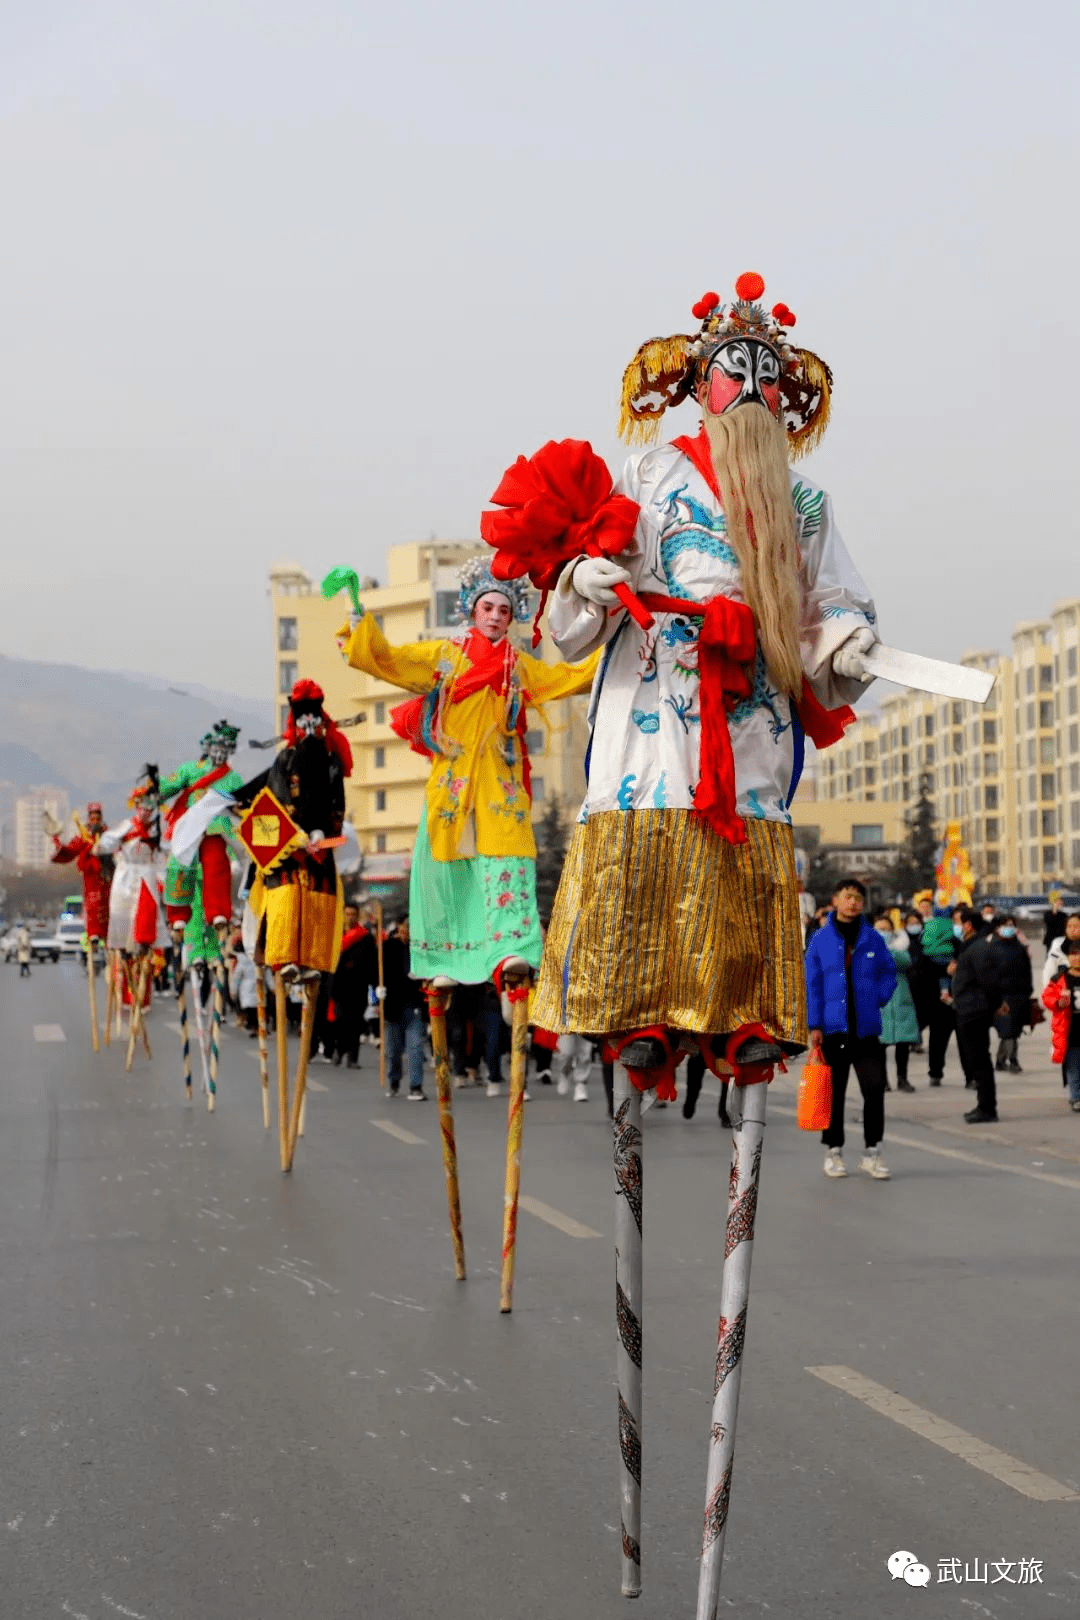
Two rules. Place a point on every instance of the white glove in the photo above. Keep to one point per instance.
(849, 658)
(595, 578)
(380, 992)
(317, 836)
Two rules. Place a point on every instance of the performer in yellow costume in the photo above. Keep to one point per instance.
(472, 891)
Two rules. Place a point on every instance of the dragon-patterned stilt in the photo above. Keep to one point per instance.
(628, 1305)
(747, 1142)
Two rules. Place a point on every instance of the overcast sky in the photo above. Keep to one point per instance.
(296, 279)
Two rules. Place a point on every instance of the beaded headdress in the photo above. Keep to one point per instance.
(477, 580)
(665, 370)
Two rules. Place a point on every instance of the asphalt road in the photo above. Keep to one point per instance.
(233, 1395)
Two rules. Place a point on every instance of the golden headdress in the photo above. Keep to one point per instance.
(665, 370)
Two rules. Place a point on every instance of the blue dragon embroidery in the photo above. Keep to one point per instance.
(659, 797)
(762, 696)
(681, 706)
(626, 791)
(689, 526)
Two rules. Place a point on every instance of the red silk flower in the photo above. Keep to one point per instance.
(556, 505)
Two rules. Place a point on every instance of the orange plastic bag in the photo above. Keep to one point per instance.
(815, 1092)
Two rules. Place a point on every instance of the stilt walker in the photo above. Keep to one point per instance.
(472, 885)
(136, 916)
(629, 1190)
(96, 871)
(516, 987)
(291, 820)
(438, 999)
(732, 623)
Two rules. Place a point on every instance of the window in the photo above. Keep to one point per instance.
(1047, 751)
(858, 777)
(1070, 662)
(905, 764)
(1049, 857)
(1074, 816)
(1074, 778)
(958, 714)
(1029, 716)
(944, 742)
(1029, 681)
(534, 742)
(380, 757)
(380, 798)
(380, 714)
(992, 862)
(286, 635)
(989, 731)
(928, 728)
(283, 717)
(1031, 787)
(929, 753)
(867, 833)
(288, 672)
(445, 606)
(1070, 699)
(905, 741)
(870, 775)
(380, 843)
(1046, 678)
(991, 798)
(992, 830)
(1033, 823)
(538, 789)
(1046, 785)
(976, 799)
(907, 791)
(990, 765)
(1049, 823)
(1046, 715)
(1031, 750)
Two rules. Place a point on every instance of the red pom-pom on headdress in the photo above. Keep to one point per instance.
(749, 286)
(705, 305)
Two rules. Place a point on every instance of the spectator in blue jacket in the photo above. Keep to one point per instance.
(850, 976)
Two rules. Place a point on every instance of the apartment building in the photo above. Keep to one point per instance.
(33, 846)
(385, 795)
(1007, 770)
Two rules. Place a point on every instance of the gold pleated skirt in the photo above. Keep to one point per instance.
(658, 920)
(304, 911)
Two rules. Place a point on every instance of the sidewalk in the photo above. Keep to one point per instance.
(1033, 1107)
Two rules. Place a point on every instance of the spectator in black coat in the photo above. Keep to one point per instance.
(976, 996)
(404, 1013)
(357, 969)
(1014, 974)
(1053, 920)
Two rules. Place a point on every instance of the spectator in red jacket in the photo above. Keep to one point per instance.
(1062, 997)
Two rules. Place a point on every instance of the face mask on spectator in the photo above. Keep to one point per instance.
(1008, 932)
(914, 929)
(958, 930)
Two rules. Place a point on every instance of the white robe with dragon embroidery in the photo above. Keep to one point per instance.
(644, 712)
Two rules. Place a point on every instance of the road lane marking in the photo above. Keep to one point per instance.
(49, 1032)
(398, 1131)
(963, 1155)
(556, 1218)
(1009, 1470)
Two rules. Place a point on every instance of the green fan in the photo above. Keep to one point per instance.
(343, 579)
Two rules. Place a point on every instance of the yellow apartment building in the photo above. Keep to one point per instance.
(385, 795)
(1007, 770)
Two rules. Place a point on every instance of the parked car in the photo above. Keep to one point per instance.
(44, 948)
(69, 934)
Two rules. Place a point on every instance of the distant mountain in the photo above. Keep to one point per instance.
(90, 731)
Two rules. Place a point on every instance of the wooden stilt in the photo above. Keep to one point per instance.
(629, 1186)
(91, 990)
(215, 1032)
(182, 1007)
(747, 1141)
(281, 1002)
(137, 985)
(518, 990)
(307, 1024)
(110, 995)
(438, 1001)
(264, 1061)
(382, 1002)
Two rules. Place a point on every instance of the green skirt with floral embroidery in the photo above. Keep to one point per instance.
(466, 916)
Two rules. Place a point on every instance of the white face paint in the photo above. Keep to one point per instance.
(743, 371)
